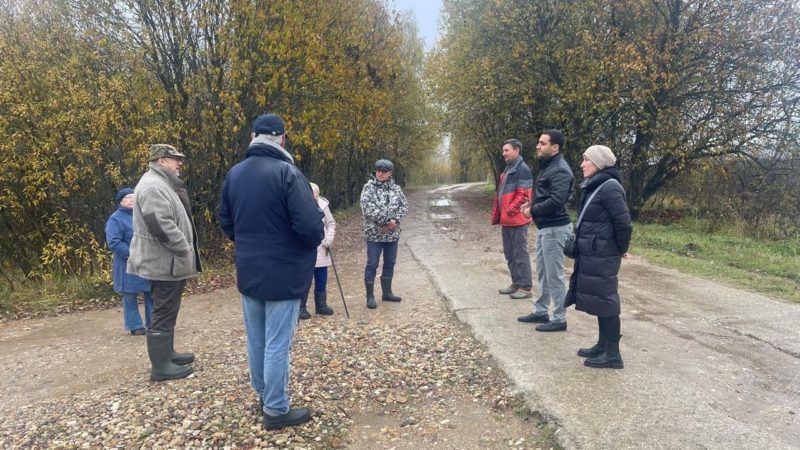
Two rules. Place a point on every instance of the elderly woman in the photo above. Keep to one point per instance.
(323, 261)
(603, 236)
(119, 231)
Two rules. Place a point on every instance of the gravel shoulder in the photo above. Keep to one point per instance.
(404, 376)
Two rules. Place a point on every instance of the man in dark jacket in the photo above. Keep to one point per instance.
(514, 190)
(268, 210)
(549, 211)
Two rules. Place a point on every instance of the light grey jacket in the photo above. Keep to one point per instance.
(164, 244)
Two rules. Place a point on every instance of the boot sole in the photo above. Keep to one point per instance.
(167, 378)
(615, 365)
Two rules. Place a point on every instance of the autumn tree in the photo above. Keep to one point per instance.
(666, 83)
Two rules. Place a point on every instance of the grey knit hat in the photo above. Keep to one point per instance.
(601, 156)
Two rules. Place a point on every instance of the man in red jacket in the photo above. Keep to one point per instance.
(515, 189)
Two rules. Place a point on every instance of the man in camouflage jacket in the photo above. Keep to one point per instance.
(384, 207)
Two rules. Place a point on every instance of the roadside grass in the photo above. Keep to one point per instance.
(56, 295)
(768, 267)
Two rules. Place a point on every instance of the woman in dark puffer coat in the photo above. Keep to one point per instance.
(602, 241)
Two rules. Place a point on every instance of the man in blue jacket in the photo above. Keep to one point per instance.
(268, 210)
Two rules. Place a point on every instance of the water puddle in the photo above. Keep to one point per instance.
(445, 202)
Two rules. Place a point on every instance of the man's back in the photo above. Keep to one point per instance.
(268, 209)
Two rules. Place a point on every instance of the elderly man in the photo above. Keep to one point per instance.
(164, 251)
(268, 210)
(384, 207)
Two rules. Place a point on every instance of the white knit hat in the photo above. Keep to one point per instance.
(601, 156)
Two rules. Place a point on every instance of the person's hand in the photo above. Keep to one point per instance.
(385, 229)
(625, 255)
(525, 209)
(392, 224)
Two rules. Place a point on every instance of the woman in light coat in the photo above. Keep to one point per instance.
(323, 261)
(603, 237)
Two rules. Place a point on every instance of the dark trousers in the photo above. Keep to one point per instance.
(609, 327)
(515, 249)
(374, 250)
(166, 303)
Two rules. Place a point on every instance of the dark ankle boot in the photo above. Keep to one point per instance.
(303, 310)
(370, 294)
(609, 359)
(159, 349)
(321, 303)
(178, 357)
(594, 350)
(386, 286)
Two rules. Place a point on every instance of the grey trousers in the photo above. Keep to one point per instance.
(515, 248)
(550, 271)
(166, 303)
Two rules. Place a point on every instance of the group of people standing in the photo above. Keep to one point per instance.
(602, 237)
(282, 231)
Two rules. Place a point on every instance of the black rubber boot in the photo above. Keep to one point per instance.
(370, 294)
(386, 286)
(303, 310)
(609, 359)
(594, 350)
(177, 357)
(293, 417)
(321, 303)
(159, 349)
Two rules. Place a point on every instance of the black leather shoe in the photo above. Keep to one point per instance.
(138, 332)
(290, 419)
(304, 314)
(534, 318)
(552, 326)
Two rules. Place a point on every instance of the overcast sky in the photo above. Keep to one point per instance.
(427, 14)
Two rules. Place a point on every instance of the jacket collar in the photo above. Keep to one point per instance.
(261, 146)
(169, 177)
(546, 162)
(512, 166)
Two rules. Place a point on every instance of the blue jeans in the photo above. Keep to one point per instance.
(130, 310)
(374, 250)
(320, 279)
(270, 328)
(550, 271)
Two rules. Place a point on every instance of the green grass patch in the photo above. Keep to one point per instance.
(33, 298)
(771, 268)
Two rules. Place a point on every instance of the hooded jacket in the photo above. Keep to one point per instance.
(603, 237)
(268, 210)
(380, 203)
(516, 184)
(164, 244)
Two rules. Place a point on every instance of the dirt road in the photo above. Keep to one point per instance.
(706, 366)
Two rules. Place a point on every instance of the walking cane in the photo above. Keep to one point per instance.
(330, 253)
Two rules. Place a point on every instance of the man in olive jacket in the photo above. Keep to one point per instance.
(164, 251)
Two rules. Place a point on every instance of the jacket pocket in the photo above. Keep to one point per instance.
(182, 266)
